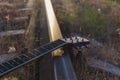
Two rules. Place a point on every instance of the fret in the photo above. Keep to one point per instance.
(56, 43)
(41, 50)
(24, 57)
(33, 53)
(60, 42)
(18, 60)
(48, 47)
(30, 55)
(44, 49)
(14, 63)
(1, 71)
(3, 68)
(36, 52)
(53, 44)
(7, 65)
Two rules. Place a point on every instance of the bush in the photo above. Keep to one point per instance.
(93, 22)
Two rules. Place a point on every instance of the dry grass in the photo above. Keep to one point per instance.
(8, 12)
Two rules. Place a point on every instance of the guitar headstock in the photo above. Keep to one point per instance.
(76, 40)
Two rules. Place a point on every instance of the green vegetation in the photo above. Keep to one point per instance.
(118, 1)
(92, 21)
(97, 22)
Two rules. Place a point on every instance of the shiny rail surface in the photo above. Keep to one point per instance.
(63, 69)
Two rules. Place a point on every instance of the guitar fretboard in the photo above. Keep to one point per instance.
(23, 59)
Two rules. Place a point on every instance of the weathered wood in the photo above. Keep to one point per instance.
(12, 33)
